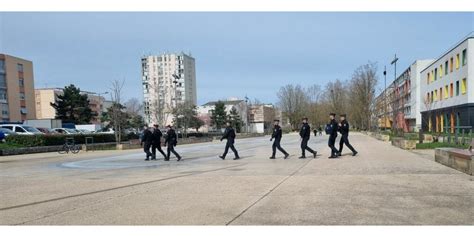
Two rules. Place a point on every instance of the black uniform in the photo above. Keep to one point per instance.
(344, 130)
(277, 134)
(331, 129)
(305, 133)
(147, 140)
(157, 143)
(171, 141)
(229, 134)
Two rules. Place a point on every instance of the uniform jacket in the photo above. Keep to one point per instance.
(147, 136)
(171, 138)
(277, 133)
(157, 134)
(344, 128)
(332, 128)
(229, 134)
(305, 131)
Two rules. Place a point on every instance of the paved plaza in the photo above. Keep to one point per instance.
(383, 185)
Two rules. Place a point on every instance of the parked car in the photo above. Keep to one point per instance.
(47, 130)
(4, 133)
(21, 129)
(65, 131)
(83, 131)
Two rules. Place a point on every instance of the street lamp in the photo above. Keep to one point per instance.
(175, 81)
(247, 113)
(385, 97)
(394, 62)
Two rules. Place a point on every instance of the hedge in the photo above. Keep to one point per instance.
(54, 140)
(439, 145)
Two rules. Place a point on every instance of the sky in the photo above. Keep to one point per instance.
(237, 54)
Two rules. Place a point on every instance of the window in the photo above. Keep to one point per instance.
(23, 110)
(441, 93)
(446, 67)
(451, 92)
(451, 62)
(457, 61)
(463, 86)
(3, 81)
(428, 78)
(432, 97)
(436, 74)
(457, 88)
(19, 129)
(446, 95)
(441, 71)
(2, 66)
(22, 96)
(428, 96)
(3, 94)
(21, 82)
(436, 95)
(432, 77)
(19, 67)
(464, 57)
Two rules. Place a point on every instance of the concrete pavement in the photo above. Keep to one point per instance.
(382, 185)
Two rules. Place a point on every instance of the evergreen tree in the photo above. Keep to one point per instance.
(235, 120)
(73, 107)
(218, 115)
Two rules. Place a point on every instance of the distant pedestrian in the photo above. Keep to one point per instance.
(320, 130)
(305, 133)
(229, 134)
(171, 141)
(344, 130)
(147, 140)
(156, 144)
(277, 134)
(331, 130)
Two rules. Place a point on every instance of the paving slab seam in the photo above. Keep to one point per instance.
(268, 193)
(116, 188)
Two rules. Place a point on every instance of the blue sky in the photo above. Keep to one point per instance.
(236, 53)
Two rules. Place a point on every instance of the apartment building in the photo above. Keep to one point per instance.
(448, 89)
(168, 80)
(204, 111)
(17, 99)
(45, 96)
(401, 107)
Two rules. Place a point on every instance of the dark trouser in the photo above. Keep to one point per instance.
(331, 142)
(146, 149)
(304, 146)
(156, 146)
(230, 144)
(171, 149)
(345, 140)
(276, 144)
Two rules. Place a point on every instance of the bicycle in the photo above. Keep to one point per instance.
(70, 146)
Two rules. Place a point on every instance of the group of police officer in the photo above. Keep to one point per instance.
(152, 139)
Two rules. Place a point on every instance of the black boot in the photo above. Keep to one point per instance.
(286, 156)
(222, 157)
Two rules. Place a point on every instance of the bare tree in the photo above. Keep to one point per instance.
(159, 110)
(292, 100)
(134, 106)
(117, 113)
(362, 95)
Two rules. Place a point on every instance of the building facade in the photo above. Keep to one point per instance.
(45, 96)
(261, 117)
(205, 111)
(401, 107)
(448, 89)
(17, 98)
(168, 80)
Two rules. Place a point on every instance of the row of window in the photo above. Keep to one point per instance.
(447, 92)
(444, 122)
(448, 64)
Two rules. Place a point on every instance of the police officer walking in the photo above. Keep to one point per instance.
(147, 140)
(331, 129)
(305, 133)
(344, 130)
(229, 134)
(156, 142)
(171, 141)
(277, 134)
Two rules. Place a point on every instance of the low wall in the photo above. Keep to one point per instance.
(403, 143)
(455, 158)
(382, 137)
(29, 150)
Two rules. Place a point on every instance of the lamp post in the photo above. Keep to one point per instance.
(394, 62)
(175, 81)
(100, 101)
(385, 97)
(247, 113)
